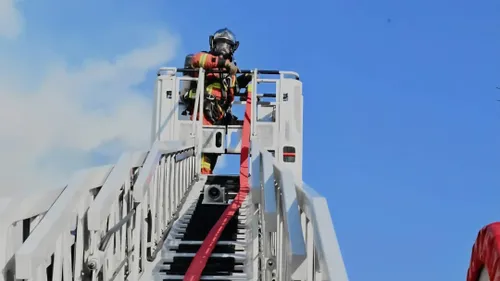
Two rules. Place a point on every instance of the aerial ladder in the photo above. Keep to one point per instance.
(154, 216)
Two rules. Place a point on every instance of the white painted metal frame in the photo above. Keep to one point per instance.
(115, 218)
(296, 226)
(54, 235)
(24, 207)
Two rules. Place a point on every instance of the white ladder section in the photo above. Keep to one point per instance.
(127, 221)
(173, 262)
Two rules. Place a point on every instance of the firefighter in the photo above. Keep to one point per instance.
(220, 88)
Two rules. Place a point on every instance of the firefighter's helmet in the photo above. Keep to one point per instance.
(223, 43)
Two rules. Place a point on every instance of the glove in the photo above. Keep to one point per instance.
(230, 119)
(233, 69)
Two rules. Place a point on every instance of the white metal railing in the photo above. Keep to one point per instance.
(320, 236)
(21, 213)
(127, 239)
(110, 221)
(50, 245)
(112, 208)
(296, 227)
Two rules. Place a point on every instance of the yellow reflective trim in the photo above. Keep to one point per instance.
(205, 165)
(192, 94)
(203, 60)
(214, 86)
(250, 87)
(220, 109)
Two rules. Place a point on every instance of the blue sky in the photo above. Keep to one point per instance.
(401, 117)
(401, 120)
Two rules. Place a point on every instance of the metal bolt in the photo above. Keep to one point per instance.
(92, 264)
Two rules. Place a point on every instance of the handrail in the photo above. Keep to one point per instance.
(28, 204)
(325, 237)
(128, 234)
(268, 178)
(242, 71)
(159, 148)
(17, 208)
(292, 219)
(41, 244)
(295, 198)
(101, 206)
(288, 205)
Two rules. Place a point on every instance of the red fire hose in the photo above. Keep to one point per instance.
(200, 259)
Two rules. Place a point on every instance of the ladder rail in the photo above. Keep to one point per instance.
(160, 149)
(118, 181)
(143, 215)
(20, 215)
(123, 207)
(281, 226)
(54, 235)
(321, 237)
(296, 224)
(105, 217)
